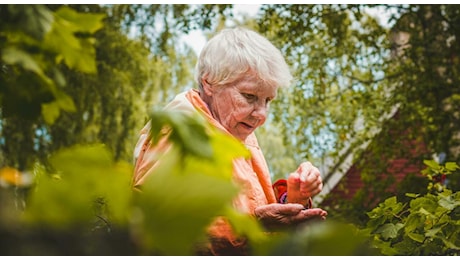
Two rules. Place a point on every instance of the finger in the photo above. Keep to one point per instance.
(279, 209)
(290, 208)
(308, 214)
(293, 192)
(309, 174)
(311, 187)
(310, 181)
(323, 215)
(293, 181)
(294, 177)
(304, 170)
(312, 192)
(313, 214)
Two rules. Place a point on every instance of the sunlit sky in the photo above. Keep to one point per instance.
(196, 40)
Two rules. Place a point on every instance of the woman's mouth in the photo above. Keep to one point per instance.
(247, 126)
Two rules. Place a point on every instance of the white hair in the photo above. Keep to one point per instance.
(233, 53)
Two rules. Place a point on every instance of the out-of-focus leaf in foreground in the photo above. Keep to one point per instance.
(186, 192)
(188, 131)
(325, 238)
(83, 175)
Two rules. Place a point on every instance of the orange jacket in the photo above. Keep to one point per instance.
(252, 174)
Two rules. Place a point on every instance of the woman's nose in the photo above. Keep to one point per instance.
(260, 111)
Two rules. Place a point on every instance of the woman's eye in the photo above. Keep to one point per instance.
(250, 97)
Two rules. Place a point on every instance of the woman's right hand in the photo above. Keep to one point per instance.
(303, 184)
(276, 215)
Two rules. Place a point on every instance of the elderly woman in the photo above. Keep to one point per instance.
(238, 75)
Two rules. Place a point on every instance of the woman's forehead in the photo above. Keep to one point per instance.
(256, 86)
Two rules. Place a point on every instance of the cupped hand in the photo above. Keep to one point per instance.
(278, 215)
(304, 183)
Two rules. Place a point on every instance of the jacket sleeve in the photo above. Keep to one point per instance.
(147, 155)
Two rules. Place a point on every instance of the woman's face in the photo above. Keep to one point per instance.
(242, 106)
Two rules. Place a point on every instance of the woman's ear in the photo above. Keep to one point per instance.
(207, 88)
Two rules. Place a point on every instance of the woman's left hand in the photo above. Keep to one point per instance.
(276, 215)
(304, 183)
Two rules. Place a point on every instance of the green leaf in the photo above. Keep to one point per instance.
(65, 102)
(448, 203)
(177, 205)
(36, 20)
(50, 112)
(386, 248)
(413, 221)
(87, 22)
(389, 230)
(77, 52)
(427, 202)
(425, 212)
(452, 166)
(188, 132)
(316, 240)
(432, 164)
(86, 174)
(412, 195)
(432, 232)
(183, 184)
(449, 244)
(390, 202)
(14, 56)
(226, 148)
(416, 237)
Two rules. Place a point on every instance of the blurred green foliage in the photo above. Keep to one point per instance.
(33, 56)
(427, 225)
(374, 83)
(81, 202)
(80, 177)
(87, 194)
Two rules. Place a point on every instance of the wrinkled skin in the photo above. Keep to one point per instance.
(241, 107)
(302, 184)
(277, 216)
